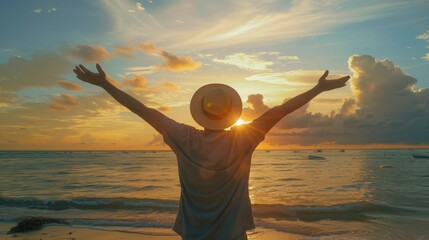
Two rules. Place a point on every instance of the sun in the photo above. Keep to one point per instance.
(239, 122)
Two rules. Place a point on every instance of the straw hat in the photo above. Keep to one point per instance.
(216, 106)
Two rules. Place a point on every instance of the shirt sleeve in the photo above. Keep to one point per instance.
(251, 134)
(176, 135)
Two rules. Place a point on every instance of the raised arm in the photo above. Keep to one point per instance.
(270, 118)
(150, 115)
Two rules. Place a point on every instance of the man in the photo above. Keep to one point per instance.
(214, 163)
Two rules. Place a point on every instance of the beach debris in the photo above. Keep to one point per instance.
(314, 157)
(34, 223)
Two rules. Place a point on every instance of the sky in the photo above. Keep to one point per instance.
(161, 52)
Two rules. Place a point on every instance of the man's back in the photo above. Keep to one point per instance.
(214, 171)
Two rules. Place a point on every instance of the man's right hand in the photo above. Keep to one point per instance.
(98, 79)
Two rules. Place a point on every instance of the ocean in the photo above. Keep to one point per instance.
(351, 194)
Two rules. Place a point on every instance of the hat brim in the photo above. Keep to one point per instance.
(216, 124)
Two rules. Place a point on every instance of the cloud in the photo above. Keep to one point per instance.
(293, 78)
(42, 70)
(138, 7)
(127, 51)
(170, 85)
(349, 107)
(62, 102)
(157, 140)
(424, 37)
(87, 53)
(376, 84)
(137, 83)
(141, 70)
(229, 23)
(148, 48)
(328, 100)
(256, 107)
(288, 58)
(173, 62)
(176, 63)
(164, 109)
(49, 10)
(384, 109)
(245, 61)
(140, 83)
(69, 85)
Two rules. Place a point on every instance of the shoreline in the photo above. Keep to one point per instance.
(51, 232)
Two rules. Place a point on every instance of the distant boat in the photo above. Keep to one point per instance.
(313, 157)
(385, 166)
(420, 155)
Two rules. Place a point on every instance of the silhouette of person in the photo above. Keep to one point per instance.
(214, 163)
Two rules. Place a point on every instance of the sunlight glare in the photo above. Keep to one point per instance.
(239, 122)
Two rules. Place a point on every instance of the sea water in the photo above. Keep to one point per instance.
(352, 194)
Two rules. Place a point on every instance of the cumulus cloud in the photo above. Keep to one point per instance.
(62, 102)
(376, 84)
(87, 53)
(384, 109)
(42, 70)
(349, 107)
(256, 107)
(245, 61)
(69, 85)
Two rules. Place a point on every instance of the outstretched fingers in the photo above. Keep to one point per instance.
(100, 70)
(343, 79)
(323, 77)
(80, 74)
(85, 70)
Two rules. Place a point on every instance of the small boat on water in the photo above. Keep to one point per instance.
(421, 155)
(314, 157)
